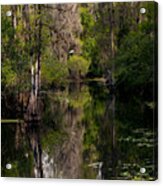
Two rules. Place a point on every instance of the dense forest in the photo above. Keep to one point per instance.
(79, 90)
(74, 42)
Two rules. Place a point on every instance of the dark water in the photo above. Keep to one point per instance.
(84, 132)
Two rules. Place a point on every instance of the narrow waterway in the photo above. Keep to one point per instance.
(85, 131)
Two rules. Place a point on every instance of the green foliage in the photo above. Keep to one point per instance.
(53, 71)
(89, 48)
(15, 56)
(89, 38)
(131, 44)
(86, 19)
(78, 66)
(134, 62)
(9, 77)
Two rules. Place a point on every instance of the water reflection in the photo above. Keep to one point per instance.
(85, 131)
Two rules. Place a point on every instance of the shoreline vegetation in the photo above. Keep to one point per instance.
(44, 45)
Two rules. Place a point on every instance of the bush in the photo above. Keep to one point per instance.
(134, 64)
(53, 72)
(78, 66)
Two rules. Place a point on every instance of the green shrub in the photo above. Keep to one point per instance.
(52, 70)
(134, 64)
(78, 66)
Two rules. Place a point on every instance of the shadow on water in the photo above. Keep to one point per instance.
(84, 131)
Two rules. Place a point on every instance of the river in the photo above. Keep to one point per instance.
(85, 132)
